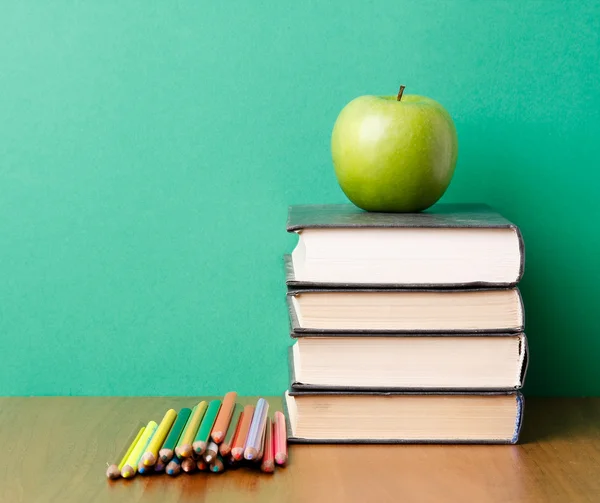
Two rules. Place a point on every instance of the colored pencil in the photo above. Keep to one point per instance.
(159, 467)
(280, 438)
(201, 440)
(219, 430)
(143, 469)
(226, 444)
(217, 465)
(259, 457)
(202, 465)
(184, 449)
(178, 445)
(257, 428)
(174, 466)
(188, 465)
(211, 452)
(130, 467)
(237, 450)
(158, 439)
(114, 470)
(166, 453)
(268, 460)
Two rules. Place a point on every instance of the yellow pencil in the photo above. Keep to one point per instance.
(130, 467)
(185, 444)
(114, 470)
(151, 454)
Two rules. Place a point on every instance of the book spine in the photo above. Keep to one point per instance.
(519, 421)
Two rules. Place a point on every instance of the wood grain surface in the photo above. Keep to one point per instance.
(56, 449)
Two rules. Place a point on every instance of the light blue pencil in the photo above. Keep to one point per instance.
(257, 429)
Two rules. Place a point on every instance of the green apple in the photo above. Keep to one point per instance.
(394, 153)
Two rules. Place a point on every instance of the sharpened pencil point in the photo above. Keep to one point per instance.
(148, 459)
(113, 472)
(185, 451)
(188, 465)
(127, 472)
(165, 455)
(199, 447)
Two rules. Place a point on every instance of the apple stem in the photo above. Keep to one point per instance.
(400, 93)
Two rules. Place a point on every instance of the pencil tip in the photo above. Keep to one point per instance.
(127, 472)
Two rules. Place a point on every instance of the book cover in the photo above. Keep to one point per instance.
(442, 216)
(439, 216)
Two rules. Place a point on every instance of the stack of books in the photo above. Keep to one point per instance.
(406, 327)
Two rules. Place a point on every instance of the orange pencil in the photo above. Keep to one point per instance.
(232, 429)
(268, 460)
(237, 451)
(222, 422)
(202, 465)
(280, 438)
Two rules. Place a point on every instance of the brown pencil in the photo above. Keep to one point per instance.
(227, 443)
(223, 419)
(237, 451)
(268, 461)
(188, 465)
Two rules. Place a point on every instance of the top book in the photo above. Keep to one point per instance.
(450, 245)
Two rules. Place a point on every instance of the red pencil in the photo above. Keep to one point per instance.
(280, 438)
(268, 460)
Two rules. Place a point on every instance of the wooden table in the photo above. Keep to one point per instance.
(56, 449)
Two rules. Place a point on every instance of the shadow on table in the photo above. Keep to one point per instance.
(548, 419)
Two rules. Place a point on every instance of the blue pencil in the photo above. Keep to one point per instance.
(257, 429)
(174, 466)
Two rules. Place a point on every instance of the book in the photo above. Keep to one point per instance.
(436, 417)
(450, 245)
(393, 362)
(405, 311)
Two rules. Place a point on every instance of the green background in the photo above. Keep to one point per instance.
(149, 151)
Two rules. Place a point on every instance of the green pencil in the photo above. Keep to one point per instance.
(206, 426)
(166, 453)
